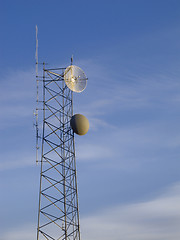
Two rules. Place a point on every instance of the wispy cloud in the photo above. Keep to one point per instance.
(128, 146)
(93, 152)
(23, 232)
(10, 162)
(17, 97)
(157, 219)
(112, 95)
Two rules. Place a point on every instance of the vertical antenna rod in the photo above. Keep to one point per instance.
(72, 60)
(37, 100)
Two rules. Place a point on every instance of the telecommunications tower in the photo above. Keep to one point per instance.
(58, 213)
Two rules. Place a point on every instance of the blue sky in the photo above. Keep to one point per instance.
(128, 163)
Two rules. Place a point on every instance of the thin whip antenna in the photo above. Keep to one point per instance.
(37, 100)
(72, 60)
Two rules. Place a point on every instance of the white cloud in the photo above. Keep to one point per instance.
(129, 147)
(157, 219)
(107, 92)
(9, 161)
(99, 123)
(93, 152)
(23, 232)
(17, 91)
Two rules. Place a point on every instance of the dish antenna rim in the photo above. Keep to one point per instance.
(75, 78)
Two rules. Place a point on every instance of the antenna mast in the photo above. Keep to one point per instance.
(37, 99)
(72, 60)
(58, 211)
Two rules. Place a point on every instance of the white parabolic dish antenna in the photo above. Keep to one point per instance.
(75, 78)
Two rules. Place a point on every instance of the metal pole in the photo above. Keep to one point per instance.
(37, 100)
(75, 175)
(64, 172)
(40, 188)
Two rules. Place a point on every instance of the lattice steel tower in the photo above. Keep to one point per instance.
(58, 213)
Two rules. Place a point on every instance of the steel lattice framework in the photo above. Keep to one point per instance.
(58, 215)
